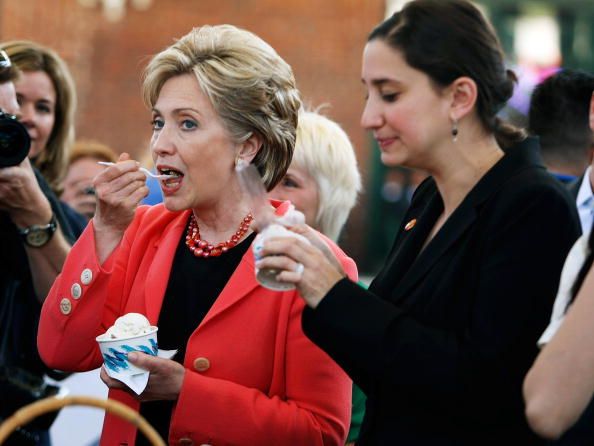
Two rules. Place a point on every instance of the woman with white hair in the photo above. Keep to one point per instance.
(323, 179)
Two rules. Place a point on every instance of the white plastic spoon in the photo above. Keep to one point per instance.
(143, 170)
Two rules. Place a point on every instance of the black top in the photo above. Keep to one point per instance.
(194, 285)
(442, 340)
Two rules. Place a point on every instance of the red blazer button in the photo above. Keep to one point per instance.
(201, 364)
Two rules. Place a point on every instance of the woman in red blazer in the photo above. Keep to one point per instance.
(245, 374)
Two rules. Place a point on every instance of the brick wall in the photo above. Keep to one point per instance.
(321, 39)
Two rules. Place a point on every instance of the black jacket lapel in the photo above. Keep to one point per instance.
(406, 267)
(413, 232)
(452, 230)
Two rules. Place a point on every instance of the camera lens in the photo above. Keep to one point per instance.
(14, 141)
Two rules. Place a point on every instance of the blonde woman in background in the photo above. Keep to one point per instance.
(47, 98)
(323, 182)
(323, 179)
(35, 237)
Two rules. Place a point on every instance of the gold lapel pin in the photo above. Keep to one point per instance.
(411, 224)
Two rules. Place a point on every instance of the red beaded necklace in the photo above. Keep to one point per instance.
(201, 248)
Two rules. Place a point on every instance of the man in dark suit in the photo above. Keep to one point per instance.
(558, 114)
(562, 109)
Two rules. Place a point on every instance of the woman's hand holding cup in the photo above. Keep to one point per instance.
(305, 262)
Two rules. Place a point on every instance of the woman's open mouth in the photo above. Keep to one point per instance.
(171, 184)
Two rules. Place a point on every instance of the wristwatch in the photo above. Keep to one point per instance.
(37, 236)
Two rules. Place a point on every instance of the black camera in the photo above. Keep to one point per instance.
(14, 141)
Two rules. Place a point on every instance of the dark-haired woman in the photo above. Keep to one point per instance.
(442, 339)
(558, 389)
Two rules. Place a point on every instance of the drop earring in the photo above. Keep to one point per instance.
(455, 130)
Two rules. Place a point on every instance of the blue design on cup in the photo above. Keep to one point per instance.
(118, 360)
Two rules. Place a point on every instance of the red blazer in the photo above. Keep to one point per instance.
(252, 377)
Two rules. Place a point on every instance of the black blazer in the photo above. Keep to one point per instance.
(443, 338)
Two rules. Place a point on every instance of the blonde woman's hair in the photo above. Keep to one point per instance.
(29, 56)
(249, 85)
(324, 150)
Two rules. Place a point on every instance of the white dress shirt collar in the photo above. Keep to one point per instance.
(585, 202)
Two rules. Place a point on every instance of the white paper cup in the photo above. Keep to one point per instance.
(267, 276)
(115, 352)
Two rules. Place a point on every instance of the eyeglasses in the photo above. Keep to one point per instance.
(4, 60)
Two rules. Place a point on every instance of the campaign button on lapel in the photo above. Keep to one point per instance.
(411, 224)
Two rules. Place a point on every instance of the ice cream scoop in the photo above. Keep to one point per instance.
(129, 325)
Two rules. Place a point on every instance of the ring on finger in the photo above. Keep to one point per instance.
(299, 268)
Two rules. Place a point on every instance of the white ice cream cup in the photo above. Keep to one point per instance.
(266, 276)
(115, 351)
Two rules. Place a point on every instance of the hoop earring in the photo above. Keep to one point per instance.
(455, 130)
